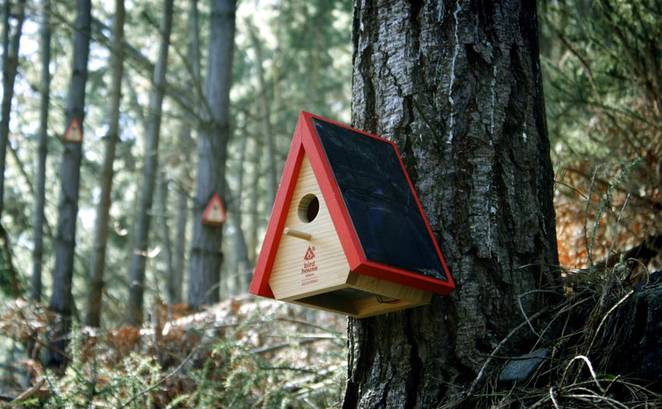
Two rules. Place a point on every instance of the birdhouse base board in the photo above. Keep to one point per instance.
(364, 296)
(357, 303)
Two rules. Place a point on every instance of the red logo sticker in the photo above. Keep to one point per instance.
(308, 275)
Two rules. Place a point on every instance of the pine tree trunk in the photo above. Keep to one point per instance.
(265, 119)
(65, 236)
(254, 201)
(143, 217)
(206, 254)
(42, 151)
(240, 247)
(457, 85)
(185, 142)
(162, 193)
(103, 210)
(11, 46)
(237, 280)
(175, 282)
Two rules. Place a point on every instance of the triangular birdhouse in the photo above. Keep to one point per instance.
(74, 132)
(214, 214)
(347, 232)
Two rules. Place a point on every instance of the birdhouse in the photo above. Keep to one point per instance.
(74, 132)
(347, 232)
(214, 214)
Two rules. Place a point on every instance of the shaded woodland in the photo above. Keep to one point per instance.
(531, 133)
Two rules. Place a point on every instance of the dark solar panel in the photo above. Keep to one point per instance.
(380, 203)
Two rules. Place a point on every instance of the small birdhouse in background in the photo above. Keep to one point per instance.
(74, 132)
(214, 214)
(347, 232)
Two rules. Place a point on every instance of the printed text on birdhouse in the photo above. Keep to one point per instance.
(308, 275)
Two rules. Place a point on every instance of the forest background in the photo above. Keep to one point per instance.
(603, 97)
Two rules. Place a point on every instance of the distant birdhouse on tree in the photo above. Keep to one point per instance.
(214, 214)
(347, 232)
(74, 132)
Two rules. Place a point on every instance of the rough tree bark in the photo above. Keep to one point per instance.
(457, 85)
(143, 217)
(98, 260)
(65, 236)
(42, 151)
(11, 45)
(206, 254)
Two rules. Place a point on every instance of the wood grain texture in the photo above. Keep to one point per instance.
(328, 268)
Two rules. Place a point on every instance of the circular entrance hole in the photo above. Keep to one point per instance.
(309, 206)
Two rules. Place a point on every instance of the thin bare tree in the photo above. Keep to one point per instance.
(42, 151)
(98, 261)
(151, 166)
(11, 44)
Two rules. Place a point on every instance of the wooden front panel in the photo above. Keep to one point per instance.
(307, 267)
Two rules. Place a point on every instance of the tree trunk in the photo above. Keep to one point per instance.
(241, 251)
(185, 142)
(265, 118)
(254, 201)
(162, 193)
(457, 85)
(143, 218)
(206, 254)
(237, 281)
(103, 210)
(42, 151)
(175, 282)
(65, 236)
(9, 67)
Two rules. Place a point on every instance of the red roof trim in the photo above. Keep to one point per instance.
(260, 283)
(405, 277)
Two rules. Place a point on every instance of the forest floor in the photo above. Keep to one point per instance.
(599, 346)
(239, 353)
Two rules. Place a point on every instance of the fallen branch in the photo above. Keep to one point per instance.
(30, 392)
